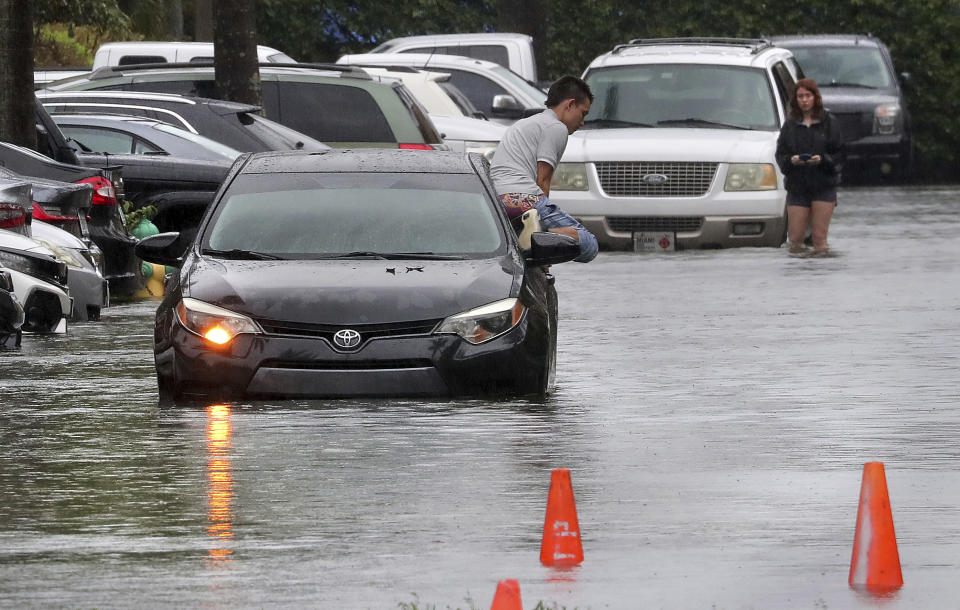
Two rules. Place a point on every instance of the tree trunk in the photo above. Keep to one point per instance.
(235, 52)
(17, 122)
(175, 19)
(203, 20)
(531, 18)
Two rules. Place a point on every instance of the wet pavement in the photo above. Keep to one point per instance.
(715, 409)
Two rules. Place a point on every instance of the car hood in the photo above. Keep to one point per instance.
(847, 99)
(669, 144)
(15, 241)
(351, 291)
(467, 128)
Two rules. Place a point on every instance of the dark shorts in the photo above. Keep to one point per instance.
(805, 199)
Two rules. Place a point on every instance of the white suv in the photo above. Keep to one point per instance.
(678, 148)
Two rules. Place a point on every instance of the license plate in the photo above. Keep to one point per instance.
(82, 218)
(654, 242)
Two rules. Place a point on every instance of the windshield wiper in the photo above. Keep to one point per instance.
(238, 254)
(613, 123)
(836, 83)
(393, 256)
(696, 121)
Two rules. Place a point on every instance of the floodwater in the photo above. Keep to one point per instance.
(715, 410)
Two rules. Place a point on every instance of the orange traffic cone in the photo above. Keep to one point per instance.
(507, 596)
(876, 562)
(561, 532)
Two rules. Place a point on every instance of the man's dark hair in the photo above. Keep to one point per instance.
(568, 87)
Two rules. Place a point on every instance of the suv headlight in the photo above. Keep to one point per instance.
(569, 177)
(215, 324)
(484, 148)
(484, 323)
(751, 177)
(886, 117)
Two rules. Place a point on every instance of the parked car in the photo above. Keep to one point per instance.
(300, 96)
(678, 148)
(44, 76)
(236, 125)
(15, 203)
(459, 130)
(500, 94)
(11, 313)
(64, 204)
(89, 290)
(105, 220)
(159, 52)
(326, 292)
(40, 283)
(513, 51)
(125, 135)
(863, 91)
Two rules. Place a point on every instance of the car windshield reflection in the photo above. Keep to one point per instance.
(387, 216)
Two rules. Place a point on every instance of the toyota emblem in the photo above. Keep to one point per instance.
(655, 179)
(346, 338)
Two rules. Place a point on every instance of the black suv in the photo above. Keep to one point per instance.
(862, 90)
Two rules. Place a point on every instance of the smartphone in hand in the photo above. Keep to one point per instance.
(805, 157)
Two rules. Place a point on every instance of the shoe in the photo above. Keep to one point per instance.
(796, 248)
(531, 225)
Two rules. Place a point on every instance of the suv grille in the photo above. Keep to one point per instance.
(655, 224)
(685, 179)
(854, 125)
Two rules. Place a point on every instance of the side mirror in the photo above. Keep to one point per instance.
(506, 106)
(551, 248)
(906, 80)
(162, 249)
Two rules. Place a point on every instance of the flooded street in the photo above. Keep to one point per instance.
(715, 409)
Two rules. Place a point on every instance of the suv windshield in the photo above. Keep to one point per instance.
(299, 215)
(681, 95)
(845, 66)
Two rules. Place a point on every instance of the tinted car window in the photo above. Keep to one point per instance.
(682, 95)
(129, 60)
(313, 215)
(478, 89)
(331, 113)
(100, 140)
(197, 88)
(495, 53)
(845, 66)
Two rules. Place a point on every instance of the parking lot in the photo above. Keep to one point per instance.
(715, 409)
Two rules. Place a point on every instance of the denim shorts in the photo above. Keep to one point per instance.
(805, 199)
(552, 216)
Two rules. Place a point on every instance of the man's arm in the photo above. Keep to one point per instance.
(544, 176)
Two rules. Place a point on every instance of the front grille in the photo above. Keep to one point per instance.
(348, 365)
(655, 224)
(367, 331)
(684, 179)
(854, 125)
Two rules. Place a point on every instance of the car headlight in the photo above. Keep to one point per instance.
(69, 256)
(484, 148)
(215, 324)
(570, 177)
(484, 323)
(751, 177)
(885, 118)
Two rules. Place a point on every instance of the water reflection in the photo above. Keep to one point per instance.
(219, 485)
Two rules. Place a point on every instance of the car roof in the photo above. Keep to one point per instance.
(108, 118)
(715, 51)
(490, 37)
(183, 68)
(373, 160)
(827, 40)
(423, 60)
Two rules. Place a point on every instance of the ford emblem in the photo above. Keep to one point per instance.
(655, 179)
(346, 338)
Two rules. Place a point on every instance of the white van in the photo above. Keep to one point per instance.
(144, 52)
(515, 51)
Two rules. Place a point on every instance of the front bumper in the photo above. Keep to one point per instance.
(711, 220)
(415, 365)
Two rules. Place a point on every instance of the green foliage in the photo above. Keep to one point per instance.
(134, 216)
(58, 44)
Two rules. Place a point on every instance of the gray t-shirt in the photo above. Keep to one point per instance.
(541, 137)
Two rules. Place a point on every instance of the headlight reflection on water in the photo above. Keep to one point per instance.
(219, 484)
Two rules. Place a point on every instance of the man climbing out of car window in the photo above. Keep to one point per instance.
(528, 154)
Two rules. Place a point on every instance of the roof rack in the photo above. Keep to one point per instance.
(343, 68)
(754, 44)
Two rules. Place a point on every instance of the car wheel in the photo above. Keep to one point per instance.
(548, 373)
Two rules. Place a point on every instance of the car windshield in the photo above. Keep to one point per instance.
(539, 96)
(318, 215)
(681, 95)
(845, 66)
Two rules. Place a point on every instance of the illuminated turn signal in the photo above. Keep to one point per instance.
(217, 335)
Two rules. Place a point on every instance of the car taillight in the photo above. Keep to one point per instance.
(416, 146)
(40, 214)
(12, 216)
(103, 191)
